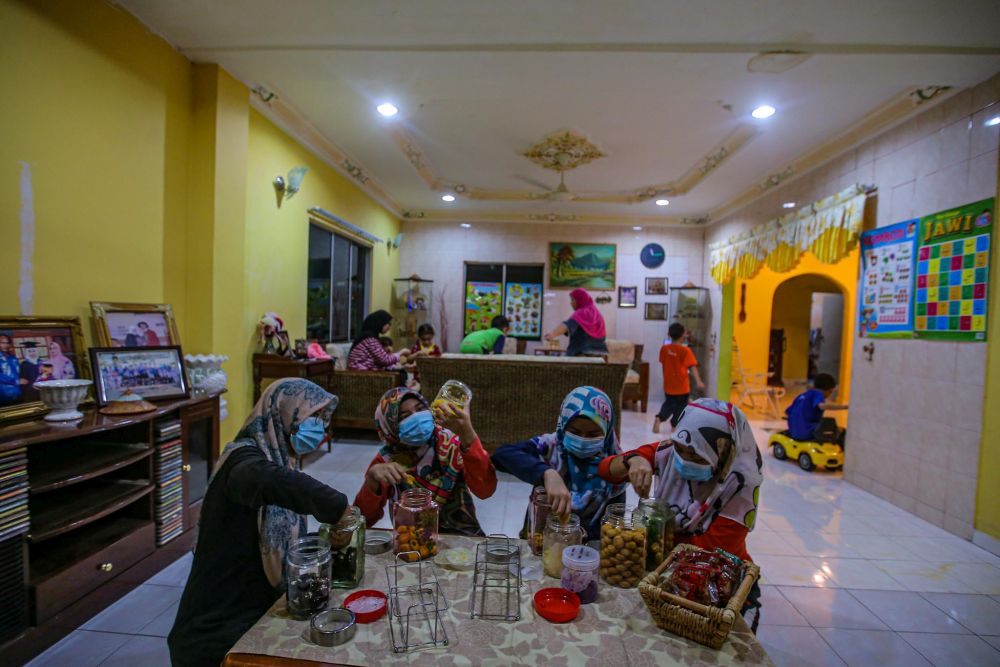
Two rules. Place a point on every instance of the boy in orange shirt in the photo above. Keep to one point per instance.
(676, 359)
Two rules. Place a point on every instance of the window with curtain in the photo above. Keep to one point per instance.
(337, 291)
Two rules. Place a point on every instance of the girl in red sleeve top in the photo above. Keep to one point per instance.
(709, 472)
(448, 460)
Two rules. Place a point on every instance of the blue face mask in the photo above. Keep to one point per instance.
(416, 429)
(311, 432)
(696, 472)
(582, 448)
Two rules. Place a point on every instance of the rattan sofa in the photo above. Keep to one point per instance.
(518, 396)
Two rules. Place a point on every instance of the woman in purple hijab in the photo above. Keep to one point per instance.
(585, 327)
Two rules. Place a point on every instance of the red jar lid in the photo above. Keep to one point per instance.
(368, 605)
(557, 605)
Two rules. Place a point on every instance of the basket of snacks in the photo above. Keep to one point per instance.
(697, 593)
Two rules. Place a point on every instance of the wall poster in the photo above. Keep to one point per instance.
(953, 268)
(483, 302)
(886, 303)
(524, 309)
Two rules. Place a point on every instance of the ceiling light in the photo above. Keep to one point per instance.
(662, 202)
(448, 198)
(993, 121)
(637, 229)
(466, 225)
(788, 204)
(763, 111)
(387, 109)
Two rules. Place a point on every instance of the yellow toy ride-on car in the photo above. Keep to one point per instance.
(809, 454)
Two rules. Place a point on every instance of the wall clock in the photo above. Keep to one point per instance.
(652, 255)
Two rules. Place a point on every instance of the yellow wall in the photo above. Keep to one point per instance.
(794, 317)
(753, 335)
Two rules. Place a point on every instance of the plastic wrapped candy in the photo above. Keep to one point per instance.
(707, 577)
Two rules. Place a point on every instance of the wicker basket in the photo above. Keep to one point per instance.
(706, 625)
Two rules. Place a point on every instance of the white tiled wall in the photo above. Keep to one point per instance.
(438, 251)
(916, 408)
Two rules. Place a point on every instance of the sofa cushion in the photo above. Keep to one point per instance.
(620, 351)
(523, 357)
(339, 352)
(632, 377)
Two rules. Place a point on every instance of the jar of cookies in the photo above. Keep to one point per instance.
(415, 523)
(537, 516)
(558, 535)
(307, 576)
(623, 546)
(347, 549)
(659, 522)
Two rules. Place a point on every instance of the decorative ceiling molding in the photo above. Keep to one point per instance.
(896, 110)
(563, 151)
(529, 217)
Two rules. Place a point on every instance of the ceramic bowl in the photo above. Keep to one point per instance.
(62, 398)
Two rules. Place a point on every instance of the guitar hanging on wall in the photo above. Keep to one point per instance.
(743, 302)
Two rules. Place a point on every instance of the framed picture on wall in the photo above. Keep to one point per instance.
(587, 265)
(628, 297)
(134, 324)
(656, 286)
(34, 349)
(154, 373)
(656, 311)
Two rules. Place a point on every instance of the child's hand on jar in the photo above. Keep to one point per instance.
(458, 422)
(388, 474)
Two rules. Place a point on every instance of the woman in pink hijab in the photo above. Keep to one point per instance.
(585, 327)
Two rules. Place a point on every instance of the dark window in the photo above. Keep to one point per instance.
(337, 289)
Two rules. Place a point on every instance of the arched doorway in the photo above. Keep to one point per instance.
(807, 332)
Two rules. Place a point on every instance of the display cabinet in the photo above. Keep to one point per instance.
(691, 307)
(412, 305)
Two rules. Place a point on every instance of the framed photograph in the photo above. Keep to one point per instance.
(33, 349)
(134, 324)
(656, 286)
(587, 265)
(656, 311)
(154, 373)
(628, 297)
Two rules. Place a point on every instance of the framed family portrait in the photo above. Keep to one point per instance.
(656, 311)
(154, 373)
(34, 349)
(656, 286)
(134, 324)
(628, 297)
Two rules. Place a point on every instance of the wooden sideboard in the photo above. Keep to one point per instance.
(105, 495)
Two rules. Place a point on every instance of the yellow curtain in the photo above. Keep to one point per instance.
(828, 229)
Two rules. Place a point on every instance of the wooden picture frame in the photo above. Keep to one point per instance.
(628, 297)
(18, 398)
(114, 322)
(154, 373)
(657, 286)
(657, 311)
(563, 274)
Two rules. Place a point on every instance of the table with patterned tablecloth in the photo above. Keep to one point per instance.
(615, 630)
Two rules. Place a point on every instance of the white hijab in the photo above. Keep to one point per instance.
(734, 490)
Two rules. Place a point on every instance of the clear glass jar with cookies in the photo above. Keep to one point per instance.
(623, 546)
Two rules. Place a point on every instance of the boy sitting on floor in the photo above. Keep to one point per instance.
(805, 414)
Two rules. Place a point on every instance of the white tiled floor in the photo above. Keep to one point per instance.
(848, 579)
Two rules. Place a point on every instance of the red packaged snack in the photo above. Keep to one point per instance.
(706, 577)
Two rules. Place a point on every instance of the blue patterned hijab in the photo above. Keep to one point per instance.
(269, 428)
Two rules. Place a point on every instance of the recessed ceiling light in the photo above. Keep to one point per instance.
(993, 121)
(662, 202)
(637, 229)
(788, 204)
(448, 198)
(466, 225)
(387, 109)
(763, 111)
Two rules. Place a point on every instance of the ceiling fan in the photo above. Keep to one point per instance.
(560, 193)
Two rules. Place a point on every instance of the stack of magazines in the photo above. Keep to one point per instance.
(13, 493)
(168, 497)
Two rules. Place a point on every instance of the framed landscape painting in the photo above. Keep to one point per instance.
(587, 265)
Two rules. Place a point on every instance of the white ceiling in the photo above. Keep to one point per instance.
(478, 82)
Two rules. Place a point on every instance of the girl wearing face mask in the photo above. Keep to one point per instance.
(255, 506)
(709, 472)
(566, 462)
(447, 460)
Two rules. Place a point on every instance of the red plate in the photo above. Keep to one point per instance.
(557, 605)
(368, 605)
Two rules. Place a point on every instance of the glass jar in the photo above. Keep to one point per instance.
(623, 546)
(347, 549)
(455, 392)
(659, 522)
(559, 535)
(307, 576)
(537, 516)
(415, 522)
(579, 572)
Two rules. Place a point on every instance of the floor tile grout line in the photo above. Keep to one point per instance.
(945, 611)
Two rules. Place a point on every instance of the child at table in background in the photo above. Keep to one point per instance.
(805, 414)
(677, 360)
(425, 342)
(487, 341)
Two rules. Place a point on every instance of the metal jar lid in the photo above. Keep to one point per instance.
(332, 627)
(377, 543)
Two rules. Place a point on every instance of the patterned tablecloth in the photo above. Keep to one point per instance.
(615, 630)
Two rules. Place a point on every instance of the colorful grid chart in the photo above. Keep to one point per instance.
(14, 518)
(168, 497)
(951, 287)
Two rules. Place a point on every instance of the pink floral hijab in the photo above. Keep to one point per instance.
(586, 313)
